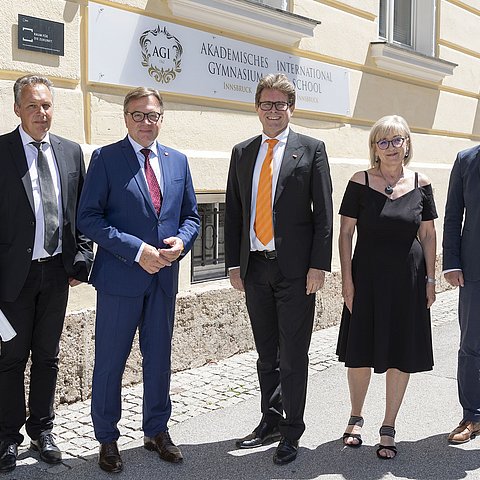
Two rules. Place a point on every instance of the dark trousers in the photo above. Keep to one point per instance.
(37, 315)
(118, 318)
(281, 314)
(468, 376)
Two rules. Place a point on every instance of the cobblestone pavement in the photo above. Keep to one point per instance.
(193, 392)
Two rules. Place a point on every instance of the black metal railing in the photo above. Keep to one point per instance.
(208, 253)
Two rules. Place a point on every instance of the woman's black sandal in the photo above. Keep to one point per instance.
(357, 421)
(387, 431)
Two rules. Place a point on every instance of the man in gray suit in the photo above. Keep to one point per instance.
(461, 267)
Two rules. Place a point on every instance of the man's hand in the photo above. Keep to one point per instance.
(235, 279)
(455, 278)
(315, 280)
(175, 250)
(73, 282)
(151, 260)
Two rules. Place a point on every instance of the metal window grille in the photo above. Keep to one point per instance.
(208, 253)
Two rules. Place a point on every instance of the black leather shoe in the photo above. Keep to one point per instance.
(264, 434)
(109, 458)
(8, 456)
(286, 451)
(164, 446)
(49, 452)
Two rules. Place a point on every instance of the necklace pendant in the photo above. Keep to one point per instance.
(388, 189)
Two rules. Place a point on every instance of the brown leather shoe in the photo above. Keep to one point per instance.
(162, 443)
(109, 458)
(466, 431)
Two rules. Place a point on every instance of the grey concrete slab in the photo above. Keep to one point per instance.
(207, 433)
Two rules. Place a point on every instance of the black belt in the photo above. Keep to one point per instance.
(268, 254)
(47, 259)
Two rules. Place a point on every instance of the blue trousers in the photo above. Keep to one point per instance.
(468, 375)
(117, 320)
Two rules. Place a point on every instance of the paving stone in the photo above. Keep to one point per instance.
(193, 392)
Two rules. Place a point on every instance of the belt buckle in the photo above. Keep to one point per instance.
(45, 259)
(270, 254)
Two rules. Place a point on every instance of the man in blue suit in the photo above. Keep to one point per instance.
(461, 267)
(139, 206)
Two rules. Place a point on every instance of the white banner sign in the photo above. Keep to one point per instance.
(135, 50)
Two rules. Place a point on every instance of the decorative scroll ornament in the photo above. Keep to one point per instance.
(161, 54)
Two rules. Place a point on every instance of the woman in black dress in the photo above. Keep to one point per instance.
(389, 285)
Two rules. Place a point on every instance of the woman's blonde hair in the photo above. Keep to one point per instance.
(390, 125)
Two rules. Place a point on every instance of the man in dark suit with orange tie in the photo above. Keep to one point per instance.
(278, 245)
(41, 254)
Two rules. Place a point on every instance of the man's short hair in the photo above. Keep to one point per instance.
(22, 82)
(276, 81)
(142, 92)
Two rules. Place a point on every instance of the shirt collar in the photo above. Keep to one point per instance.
(26, 138)
(137, 147)
(281, 137)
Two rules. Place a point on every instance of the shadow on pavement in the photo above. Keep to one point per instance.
(429, 458)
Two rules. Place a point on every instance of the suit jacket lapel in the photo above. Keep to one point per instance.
(293, 152)
(247, 166)
(19, 158)
(138, 175)
(59, 157)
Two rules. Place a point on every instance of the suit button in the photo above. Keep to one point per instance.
(29, 250)
(32, 223)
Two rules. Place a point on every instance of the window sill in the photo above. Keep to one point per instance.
(248, 17)
(402, 60)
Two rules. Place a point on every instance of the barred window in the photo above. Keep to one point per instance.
(208, 253)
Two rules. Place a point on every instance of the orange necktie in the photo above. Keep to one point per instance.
(263, 215)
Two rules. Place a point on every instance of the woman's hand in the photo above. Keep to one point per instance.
(430, 294)
(348, 292)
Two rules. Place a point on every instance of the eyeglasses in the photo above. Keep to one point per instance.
(153, 117)
(396, 142)
(280, 106)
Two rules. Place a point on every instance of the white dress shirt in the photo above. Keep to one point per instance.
(31, 153)
(155, 163)
(278, 151)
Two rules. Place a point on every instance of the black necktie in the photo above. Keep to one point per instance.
(49, 201)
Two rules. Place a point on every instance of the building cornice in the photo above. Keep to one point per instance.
(249, 17)
(402, 60)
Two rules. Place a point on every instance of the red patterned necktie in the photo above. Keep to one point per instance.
(153, 187)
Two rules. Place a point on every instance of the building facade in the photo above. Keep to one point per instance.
(352, 61)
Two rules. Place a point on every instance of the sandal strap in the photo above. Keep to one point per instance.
(387, 431)
(386, 447)
(356, 420)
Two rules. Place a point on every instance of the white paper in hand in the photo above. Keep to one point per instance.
(6, 330)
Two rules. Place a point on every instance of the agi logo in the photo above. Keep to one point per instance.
(161, 54)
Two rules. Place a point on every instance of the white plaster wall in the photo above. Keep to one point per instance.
(455, 113)
(14, 59)
(460, 26)
(341, 35)
(466, 73)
